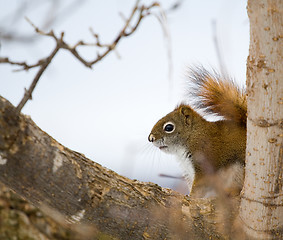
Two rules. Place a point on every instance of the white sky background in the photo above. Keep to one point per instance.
(107, 113)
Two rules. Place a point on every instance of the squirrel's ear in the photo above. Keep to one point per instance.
(185, 111)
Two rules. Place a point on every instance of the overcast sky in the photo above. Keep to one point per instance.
(107, 113)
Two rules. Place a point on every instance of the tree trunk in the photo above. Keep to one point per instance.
(262, 196)
(67, 185)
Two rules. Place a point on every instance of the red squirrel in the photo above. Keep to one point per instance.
(204, 148)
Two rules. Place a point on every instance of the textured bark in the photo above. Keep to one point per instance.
(67, 185)
(21, 220)
(262, 200)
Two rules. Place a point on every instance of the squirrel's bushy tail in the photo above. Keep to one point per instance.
(218, 95)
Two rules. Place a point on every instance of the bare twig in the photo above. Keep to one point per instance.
(22, 64)
(128, 29)
(171, 176)
(217, 48)
(28, 93)
(162, 18)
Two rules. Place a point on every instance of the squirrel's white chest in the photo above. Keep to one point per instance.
(185, 161)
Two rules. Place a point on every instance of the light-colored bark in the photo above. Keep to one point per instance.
(262, 196)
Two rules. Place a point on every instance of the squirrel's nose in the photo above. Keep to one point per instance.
(151, 138)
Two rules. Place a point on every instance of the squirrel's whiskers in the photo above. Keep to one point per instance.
(149, 152)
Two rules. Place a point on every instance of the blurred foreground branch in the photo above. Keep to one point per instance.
(65, 183)
(131, 24)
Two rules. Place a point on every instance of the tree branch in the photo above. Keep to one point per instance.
(44, 65)
(140, 10)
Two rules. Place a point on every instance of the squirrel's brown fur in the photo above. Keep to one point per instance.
(209, 148)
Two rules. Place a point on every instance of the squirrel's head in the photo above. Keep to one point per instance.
(170, 133)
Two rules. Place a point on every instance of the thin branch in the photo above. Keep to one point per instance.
(217, 48)
(28, 93)
(22, 64)
(170, 176)
(162, 18)
(127, 30)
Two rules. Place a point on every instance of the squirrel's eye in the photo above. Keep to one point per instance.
(169, 127)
